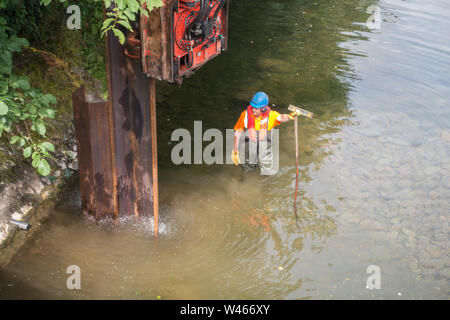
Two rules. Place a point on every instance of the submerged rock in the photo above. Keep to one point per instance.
(434, 251)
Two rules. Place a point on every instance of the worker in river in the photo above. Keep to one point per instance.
(256, 122)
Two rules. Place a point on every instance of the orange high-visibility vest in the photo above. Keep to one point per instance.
(249, 123)
(242, 123)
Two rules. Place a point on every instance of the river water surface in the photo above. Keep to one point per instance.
(375, 171)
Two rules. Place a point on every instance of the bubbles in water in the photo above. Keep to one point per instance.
(143, 224)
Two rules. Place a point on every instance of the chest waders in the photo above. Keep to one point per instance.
(258, 154)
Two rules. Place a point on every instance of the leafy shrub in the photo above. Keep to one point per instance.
(23, 109)
(125, 11)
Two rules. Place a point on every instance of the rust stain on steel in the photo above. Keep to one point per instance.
(94, 154)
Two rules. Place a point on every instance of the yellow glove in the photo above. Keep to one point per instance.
(235, 157)
(294, 114)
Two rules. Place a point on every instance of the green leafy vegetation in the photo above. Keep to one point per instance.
(23, 109)
(124, 12)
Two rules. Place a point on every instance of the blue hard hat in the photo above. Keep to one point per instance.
(260, 100)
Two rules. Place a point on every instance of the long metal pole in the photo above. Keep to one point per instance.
(296, 165)
(307, 114)
(154, 155)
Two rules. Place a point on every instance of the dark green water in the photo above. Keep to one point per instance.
(374, 171)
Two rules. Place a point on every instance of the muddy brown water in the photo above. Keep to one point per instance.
(374, 171)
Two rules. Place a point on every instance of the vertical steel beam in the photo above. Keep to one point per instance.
(94, 154)
(133, 131)
(120, 112)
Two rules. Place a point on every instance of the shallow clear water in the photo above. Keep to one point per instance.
(374, 171)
